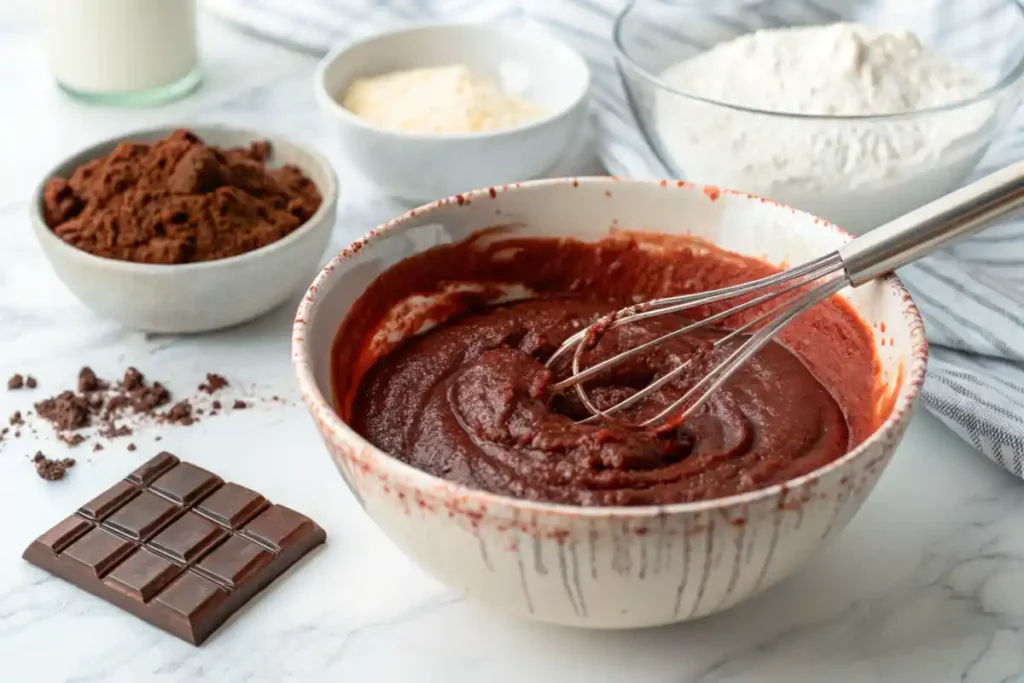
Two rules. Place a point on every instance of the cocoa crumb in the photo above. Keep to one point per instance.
(15, 382)
(30, 382)
(133, 379)
(145, 399)
(180, 413)
(114, 404)
(66, 411)
(213, 383)
(114, 409)
(178, 200)
(51, 470)
(114, 430)
(72, 440)
(88, 381)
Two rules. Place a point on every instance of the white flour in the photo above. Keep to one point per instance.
(855, 173)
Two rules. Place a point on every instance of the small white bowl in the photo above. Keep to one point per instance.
(607, 567)
(195, 297)
(422, 166)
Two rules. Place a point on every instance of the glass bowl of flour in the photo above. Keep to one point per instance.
(853, 110)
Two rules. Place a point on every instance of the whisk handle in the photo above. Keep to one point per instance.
(922, 231)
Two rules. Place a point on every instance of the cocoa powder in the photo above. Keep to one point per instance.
(178, 200)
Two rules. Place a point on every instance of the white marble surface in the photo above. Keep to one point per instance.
(927, 583)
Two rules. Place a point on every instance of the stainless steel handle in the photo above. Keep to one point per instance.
(924, 230)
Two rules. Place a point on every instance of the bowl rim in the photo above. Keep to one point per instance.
(1011, 78)
(330, 104)
(327, 208)
(328, 420)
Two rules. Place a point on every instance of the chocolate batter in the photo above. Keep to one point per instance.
(470, 401)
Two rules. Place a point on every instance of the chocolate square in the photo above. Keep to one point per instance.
(98, 551)
(113, 498)
(141, 575)
(235, 561)
(64, 534)
(142, 516)
(231, 505)
(186, 484)
(190, 604)
(187, 538)
(278, 527)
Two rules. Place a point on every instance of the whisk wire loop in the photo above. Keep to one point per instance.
(799, 279)
(895, 244)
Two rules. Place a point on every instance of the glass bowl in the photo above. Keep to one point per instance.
(856, 171)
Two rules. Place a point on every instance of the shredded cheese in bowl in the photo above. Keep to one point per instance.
(446, 99)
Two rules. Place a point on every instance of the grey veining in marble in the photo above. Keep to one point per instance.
(927, 583)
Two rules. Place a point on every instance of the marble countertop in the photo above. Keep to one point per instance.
(926, 584)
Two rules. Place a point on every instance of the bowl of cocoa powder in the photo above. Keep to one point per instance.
(178, 231)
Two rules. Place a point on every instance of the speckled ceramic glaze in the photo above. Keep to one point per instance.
(606, 567)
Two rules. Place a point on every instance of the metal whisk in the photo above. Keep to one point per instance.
(876, 253)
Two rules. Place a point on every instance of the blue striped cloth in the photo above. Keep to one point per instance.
(971, 295)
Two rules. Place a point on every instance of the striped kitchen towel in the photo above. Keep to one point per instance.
(971, 295)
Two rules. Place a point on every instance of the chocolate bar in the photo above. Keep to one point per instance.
(176, 546)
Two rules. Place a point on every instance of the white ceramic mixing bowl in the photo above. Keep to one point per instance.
(606, 567)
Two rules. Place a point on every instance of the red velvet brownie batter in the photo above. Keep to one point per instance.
(470, 401)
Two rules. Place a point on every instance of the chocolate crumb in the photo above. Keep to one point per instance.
(158, 438)
(213, 383)
(95, 409)
(66, 411)
(131, 447)
(51, 470)
(15, 382)
(114, 430)
(180, 413)
(71, 440)
(133, 379)
(88, 381)
(145, 399)
(114, 403)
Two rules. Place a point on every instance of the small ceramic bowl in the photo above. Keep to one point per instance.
(606, 567)
(195, 297)
(421, 167)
